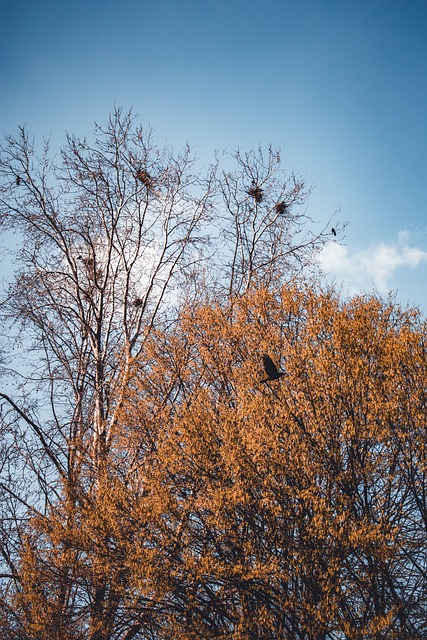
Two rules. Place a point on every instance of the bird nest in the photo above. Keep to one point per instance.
(143, 176)
(256, 193)
(280, 207)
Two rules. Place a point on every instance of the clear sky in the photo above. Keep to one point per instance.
(339, 85)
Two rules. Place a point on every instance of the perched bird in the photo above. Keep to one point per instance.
(333, 231)
(18, 181)
(270, 369)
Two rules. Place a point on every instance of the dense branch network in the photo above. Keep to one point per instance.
(119, 405)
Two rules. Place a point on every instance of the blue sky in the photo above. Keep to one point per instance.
(340, 86)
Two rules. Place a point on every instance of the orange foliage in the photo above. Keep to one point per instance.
(235, 509)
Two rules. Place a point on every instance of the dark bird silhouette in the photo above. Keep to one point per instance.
(18, 181)
(270, 369)
(333, 231)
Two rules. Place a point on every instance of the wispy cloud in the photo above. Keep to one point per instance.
(373, 267)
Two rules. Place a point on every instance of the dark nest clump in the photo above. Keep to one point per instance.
(143, 176)
(138, 302)
(256, 193)
(280, 207)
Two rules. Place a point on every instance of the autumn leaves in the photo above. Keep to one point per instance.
(230, 509)
(287, 512)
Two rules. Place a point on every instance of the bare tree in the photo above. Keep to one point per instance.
(268, 235)
(103, 245)
(109, 235)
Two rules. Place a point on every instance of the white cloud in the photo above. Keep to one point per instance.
(373, 267)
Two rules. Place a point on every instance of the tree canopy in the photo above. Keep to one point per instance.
(154, 484)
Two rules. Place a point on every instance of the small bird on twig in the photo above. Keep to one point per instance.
(270, 369)
(333, 231)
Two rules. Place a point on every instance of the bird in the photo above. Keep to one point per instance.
(18, 181)
(270, 369)
(333, 231)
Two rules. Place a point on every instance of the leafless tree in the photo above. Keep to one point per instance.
(268, 234)
(109, 233)
(102, 249)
